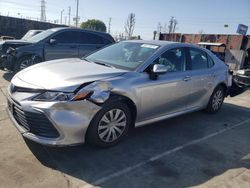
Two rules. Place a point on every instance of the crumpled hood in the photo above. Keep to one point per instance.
(4, 45)
(16, 42)
(64, 75)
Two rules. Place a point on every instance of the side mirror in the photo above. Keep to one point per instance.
(159, 69)
(52, 41)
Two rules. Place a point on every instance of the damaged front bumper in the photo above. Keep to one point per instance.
(243, 79)
(7, 62)
(52, 123)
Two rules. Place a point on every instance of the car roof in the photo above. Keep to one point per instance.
(211, 44)
(103, 34)
(153, 42)
(75, 29)
(163, 44)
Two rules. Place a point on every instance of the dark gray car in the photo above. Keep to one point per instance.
(51, 44)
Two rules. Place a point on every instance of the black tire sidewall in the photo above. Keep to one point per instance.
(92, 132)
(210, 108)
(18, 63)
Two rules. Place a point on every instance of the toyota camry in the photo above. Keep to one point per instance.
(99, 97)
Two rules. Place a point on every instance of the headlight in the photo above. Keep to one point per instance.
(54, 96)
(97, 91)
(241, 72)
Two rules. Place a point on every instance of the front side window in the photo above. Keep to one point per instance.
(66, 37)
(199, 59)
(124, 55)
(173, 59)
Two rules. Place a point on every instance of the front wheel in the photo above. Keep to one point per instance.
(109, 125)
(25, 62)
(216, 100)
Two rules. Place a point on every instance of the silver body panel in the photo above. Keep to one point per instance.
(170, 95)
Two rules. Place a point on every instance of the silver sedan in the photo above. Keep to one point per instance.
(98, 98)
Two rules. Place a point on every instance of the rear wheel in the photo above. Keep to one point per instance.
(110, 125)
(216, 100)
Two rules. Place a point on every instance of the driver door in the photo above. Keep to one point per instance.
(64, 46)
(167, 94)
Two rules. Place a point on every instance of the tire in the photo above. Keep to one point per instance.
(216, 100)
(22, 63)
(105, 132)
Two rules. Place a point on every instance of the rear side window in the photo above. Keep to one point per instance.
(89, 38)
(199, 59)
(67, 37)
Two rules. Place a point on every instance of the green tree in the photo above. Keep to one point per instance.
(96, 25)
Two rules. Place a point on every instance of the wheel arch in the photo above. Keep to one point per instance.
(224, 86)
(29, 55)
(131, 105)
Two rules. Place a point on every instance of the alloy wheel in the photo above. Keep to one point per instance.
(25, 63)
(112, 125)
(217, 100)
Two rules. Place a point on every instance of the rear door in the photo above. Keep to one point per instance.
(65, 46)
(89, 42)
(202, 76)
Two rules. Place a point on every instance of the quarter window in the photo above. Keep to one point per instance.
(199, 59)
(173, 59)
(210, 62)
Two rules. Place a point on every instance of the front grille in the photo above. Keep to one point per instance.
(36, 123)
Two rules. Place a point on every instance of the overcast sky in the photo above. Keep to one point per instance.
(193, 16)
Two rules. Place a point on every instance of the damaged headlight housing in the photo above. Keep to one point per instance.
(11, 51)
(54, 96)
(241, 72)
(97, 91)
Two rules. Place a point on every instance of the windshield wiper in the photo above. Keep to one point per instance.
(99, 63)
(103, 64)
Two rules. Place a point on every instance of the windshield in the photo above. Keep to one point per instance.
(124, 55)
(41, 36)
(30, 34)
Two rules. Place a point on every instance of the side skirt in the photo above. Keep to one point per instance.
(167, 116)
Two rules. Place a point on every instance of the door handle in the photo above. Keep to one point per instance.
(187, 78)
(73, 46)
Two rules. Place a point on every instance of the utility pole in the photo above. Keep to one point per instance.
(62, 14)
(109, 25)
(69, 14)
(77, 17)
(65, 20)
(43, 11)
